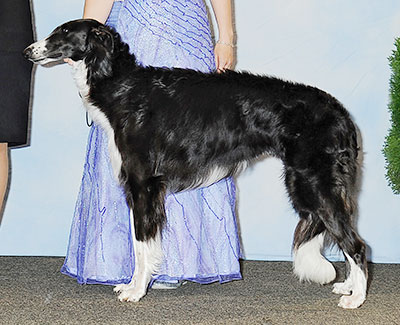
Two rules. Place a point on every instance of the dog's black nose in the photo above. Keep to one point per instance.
(27, 53)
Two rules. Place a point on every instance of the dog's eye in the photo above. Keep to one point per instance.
(65, 30)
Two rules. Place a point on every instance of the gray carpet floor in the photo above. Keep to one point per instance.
(33, 291)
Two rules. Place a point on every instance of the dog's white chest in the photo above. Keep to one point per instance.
(79, 72)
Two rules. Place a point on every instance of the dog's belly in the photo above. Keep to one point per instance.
(214, 175)
(202, 179)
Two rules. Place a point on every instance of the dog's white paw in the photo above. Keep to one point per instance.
(352, 301)
(121, 287)
(342, 288)
(131, 295)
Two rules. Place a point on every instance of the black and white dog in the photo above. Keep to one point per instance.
(172, 130)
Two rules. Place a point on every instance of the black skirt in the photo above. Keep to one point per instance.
(15, 71)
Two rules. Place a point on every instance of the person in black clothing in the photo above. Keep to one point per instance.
(15, 80)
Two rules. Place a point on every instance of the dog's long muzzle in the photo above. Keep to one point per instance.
(34, 53)
(37, 53)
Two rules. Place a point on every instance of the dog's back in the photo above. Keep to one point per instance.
(200, 120)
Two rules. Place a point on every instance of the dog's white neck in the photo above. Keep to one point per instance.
(79, 73)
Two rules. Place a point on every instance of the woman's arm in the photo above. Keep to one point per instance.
(98, 9)
(223, 51)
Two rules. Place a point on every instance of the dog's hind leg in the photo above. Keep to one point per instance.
(337, 218)
(330, 206)
(308, 262)
(337, 214)
(354, 288)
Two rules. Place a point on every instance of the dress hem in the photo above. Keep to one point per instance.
(221, 278)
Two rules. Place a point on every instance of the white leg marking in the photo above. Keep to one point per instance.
(148, 256)
(310, 265)
(356, 283)
(120, 287)
(343, 288)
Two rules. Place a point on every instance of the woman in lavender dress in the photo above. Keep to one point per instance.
(200, 241)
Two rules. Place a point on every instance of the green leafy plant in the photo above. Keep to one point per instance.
(391, 148)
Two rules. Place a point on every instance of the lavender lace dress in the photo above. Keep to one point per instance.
(200, 241)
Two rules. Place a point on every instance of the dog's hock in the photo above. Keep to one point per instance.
(310, 265)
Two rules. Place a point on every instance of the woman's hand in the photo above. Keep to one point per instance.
(224, 56)
(69, 61)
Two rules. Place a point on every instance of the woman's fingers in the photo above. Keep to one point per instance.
(223, 57)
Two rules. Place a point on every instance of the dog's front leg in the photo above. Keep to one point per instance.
(147, 258)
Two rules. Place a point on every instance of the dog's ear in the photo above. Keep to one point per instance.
(100, 43)
(103, 36)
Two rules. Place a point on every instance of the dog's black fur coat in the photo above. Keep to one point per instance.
(173, 126)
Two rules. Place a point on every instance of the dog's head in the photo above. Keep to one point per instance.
(82, 39)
